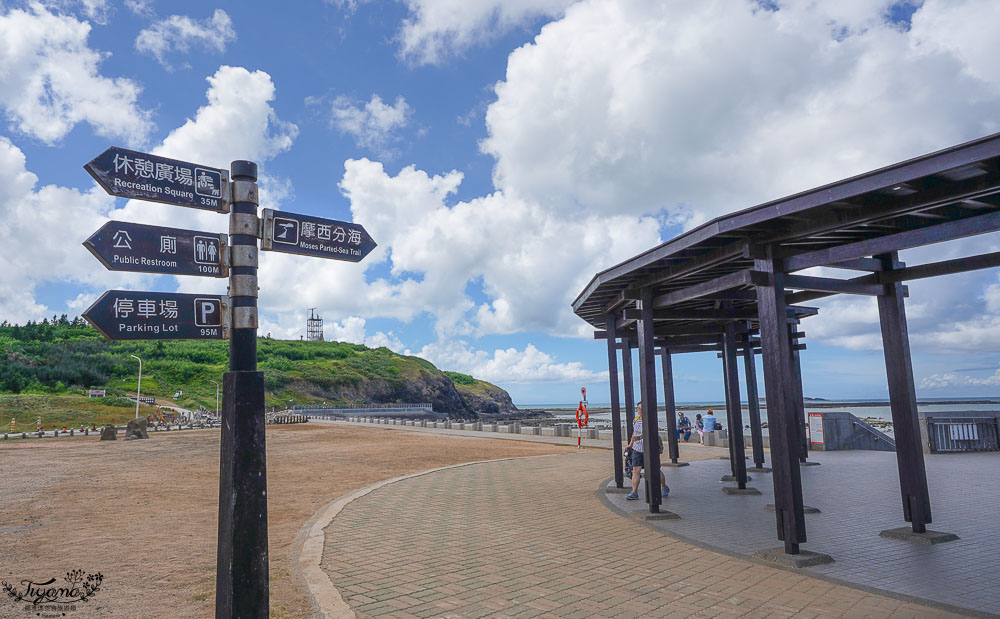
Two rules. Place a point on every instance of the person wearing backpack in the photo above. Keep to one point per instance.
(636, 445)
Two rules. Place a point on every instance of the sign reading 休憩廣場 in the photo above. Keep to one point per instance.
(131, 174)
(134, 315)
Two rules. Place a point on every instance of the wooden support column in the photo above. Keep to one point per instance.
(629, 385)
(734, 408)
(669, 404)
(753, 403)
(647, 389)
(799, 402)
(616, 413)
(776, 357)
(903, 402)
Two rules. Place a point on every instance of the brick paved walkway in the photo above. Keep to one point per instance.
(529, 537)
(858, 495)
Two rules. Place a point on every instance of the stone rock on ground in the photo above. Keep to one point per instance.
(136, 428)
(109, 433)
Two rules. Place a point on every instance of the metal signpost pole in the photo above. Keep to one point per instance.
(242, 567)
(138, 385)
(241, 571)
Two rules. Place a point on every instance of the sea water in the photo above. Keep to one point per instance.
(873, 409)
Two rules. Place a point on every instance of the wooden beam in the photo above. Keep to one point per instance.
(921, 271)
(858, 264)
(753, 403)
(776, 346)
(903, 404)
(616, 414)
(693, 348)
(669, 404)
(647, 387)
(734, 410)
(945, 267)
(719, 284)
(630, 316)
(829, 284)
(629, 385)
(947, 231)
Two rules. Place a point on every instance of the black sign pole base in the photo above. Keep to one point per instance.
(242, 568)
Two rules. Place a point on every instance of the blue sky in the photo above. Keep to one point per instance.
(500, 153)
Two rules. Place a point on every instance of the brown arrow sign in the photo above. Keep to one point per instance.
(135, 315)
(123, 246)
(307, 235)
(131, 174)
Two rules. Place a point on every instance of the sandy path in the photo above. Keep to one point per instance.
(144, 513)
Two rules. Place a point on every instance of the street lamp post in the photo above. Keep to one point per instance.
(138, 385)
(216, 397)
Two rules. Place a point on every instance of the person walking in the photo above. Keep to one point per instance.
(683, 427)
(699, 426)
(636, 445)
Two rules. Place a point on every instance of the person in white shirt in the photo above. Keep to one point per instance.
(636, 444)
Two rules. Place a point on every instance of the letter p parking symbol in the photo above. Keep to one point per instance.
(207, 312)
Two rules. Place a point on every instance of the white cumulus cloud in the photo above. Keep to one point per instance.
(709, 107)
(51, 80)
(179, 33)
(43, 228)
(509, 365)
(373, 125)
(439, 29)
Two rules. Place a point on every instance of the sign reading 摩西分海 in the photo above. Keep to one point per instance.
(131, 174)
(123, 246)
(307, 235)
(134, 315)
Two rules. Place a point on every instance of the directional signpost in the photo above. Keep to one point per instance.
(131, 174)
(314, 236)
(132, 315)
(241, 588)
(122, 246)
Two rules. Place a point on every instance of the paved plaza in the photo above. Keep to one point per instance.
(534, 537)
(857, 493)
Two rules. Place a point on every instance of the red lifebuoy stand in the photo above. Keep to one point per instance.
(582, 417)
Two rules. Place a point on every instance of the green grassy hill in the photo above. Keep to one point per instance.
(65, 357)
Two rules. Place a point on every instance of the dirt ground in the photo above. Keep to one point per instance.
(145, 513)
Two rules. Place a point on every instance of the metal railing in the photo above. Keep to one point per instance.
(359, 407)
(963, 434)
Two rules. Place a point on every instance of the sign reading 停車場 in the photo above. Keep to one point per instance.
(134, 315)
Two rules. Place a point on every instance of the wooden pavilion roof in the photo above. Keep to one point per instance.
(704, 277)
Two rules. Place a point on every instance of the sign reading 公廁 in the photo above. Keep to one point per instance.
(131, 174)
(134, 315)
(315, 236)
(123, 246)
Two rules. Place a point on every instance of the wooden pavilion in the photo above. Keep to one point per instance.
(733, 285)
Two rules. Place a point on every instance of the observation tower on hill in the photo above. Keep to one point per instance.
(314, 326)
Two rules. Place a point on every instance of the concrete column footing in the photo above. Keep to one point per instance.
(650, 517)
(906, 534)
(732, 478)
(806, 509)
(742, 491)
(805, 558)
